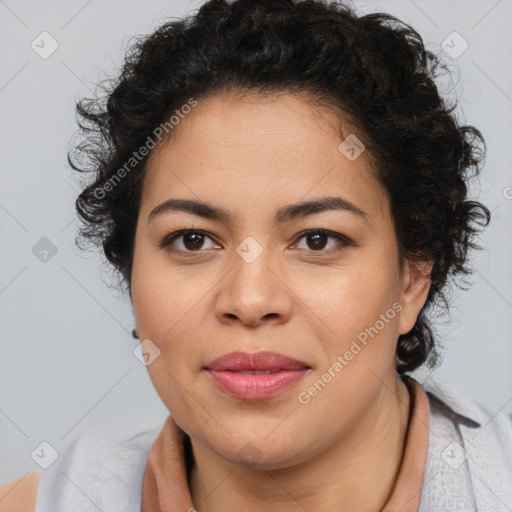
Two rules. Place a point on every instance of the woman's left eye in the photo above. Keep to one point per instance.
(317, 240)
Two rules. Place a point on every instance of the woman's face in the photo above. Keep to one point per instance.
(257, 281)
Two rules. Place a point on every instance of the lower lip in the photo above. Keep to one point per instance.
(252, 387)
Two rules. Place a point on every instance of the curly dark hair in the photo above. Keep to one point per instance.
(374, 68)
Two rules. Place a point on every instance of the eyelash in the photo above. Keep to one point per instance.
(169, 239)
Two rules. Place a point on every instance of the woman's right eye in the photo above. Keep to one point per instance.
(189, 240)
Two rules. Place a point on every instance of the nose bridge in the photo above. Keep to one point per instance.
(252, 291)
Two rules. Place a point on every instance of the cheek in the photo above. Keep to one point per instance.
(349, 299)
(161, 296)
(170, 386)
(358, 310)
(169, 307)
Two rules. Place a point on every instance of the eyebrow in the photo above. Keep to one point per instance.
(284, 214)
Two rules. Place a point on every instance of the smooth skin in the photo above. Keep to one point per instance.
(306, 297)
(20, 494)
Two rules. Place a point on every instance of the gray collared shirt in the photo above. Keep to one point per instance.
(469, 460)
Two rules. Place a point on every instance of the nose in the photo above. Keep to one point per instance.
(254, 293)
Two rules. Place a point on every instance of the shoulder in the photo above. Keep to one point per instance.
(20, 495)
(469, 460)
(104, 469)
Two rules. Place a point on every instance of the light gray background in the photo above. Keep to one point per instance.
(66, 353)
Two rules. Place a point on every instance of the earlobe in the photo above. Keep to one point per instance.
(416, 285)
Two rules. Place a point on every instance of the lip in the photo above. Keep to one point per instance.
(235, 375)
(244, 361)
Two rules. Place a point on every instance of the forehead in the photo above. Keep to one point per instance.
(273, 150)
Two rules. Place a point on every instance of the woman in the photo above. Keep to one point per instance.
(284, 193)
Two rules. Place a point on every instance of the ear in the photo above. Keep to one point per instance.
(416, 284)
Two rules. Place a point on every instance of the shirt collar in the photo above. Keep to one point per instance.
(468, 412)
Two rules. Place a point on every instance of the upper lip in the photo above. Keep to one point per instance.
(243, 361)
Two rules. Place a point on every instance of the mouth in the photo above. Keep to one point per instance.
(255, 376)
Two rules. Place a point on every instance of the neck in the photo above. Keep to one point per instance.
(368, 457)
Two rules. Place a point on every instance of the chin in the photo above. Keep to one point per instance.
(256, 451)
